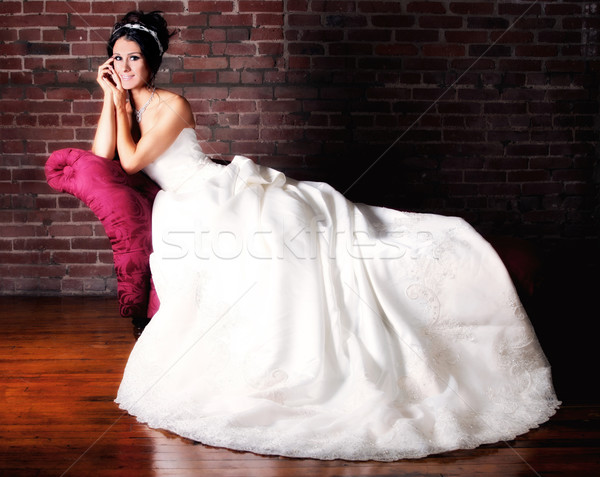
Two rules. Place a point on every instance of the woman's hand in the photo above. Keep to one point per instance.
(106, 74)
(119, 94)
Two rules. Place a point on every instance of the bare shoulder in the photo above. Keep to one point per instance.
(172, 104)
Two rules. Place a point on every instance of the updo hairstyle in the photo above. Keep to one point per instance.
(148, 44)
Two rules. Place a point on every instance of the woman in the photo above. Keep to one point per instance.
(296, 323)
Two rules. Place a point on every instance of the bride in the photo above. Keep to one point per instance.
(294, 322)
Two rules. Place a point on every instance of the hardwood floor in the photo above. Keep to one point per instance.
(61, 364)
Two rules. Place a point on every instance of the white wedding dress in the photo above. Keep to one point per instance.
(294, 322)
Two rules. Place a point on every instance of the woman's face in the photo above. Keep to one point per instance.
(130, 64)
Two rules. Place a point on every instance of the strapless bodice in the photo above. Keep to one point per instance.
(181, 162)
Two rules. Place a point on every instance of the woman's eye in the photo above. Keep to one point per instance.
(134, 58)
(117, 58)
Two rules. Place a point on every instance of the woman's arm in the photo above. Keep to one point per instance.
(105, 140)
(172, 117)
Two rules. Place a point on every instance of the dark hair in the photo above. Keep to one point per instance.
(148, 44)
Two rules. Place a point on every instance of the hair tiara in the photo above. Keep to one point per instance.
(137, 26)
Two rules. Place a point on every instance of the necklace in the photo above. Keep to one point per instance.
(139, 112)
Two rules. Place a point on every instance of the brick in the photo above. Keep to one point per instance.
(251, 93)
(571, 175)
(215, 6)
(472, 8)
(417, 35)
(12, 64)
(380, 63)
(426, 7)
(109, 6)
(89, 270)
(369, 35)
(541, 23)
(75, 257)
(98, 285)
(508, 136)
(252, 77)
(488, 23)
(303, 48)
(479, 94)
(70, 230)
(536, 50)
(71, 64)
(445, 21)
(205, 63)
(256, 6)
(499, 189)
(234, 106)
(508, 37)
(67, 93)
(275, 49)
(488, 50)
(377, 6)
(266, 34)
(269, 19)
(34, 21)
(463, 136)
(552, 36)
(520, 65)
(567, 95)
(561, 9)
(565, 66)
(237, 49)
(8, 7)
(290, 92)
(345, 21)
(552, 136)
(162, 5)
(527, 149)
(225, 20)
(519, 9)
(444, 50)
(261, 62)
(522, 94)
(281, 134)
(63, 7)
(303, 20)
(507, 163)
(528, 176)
(454, 36)
(429, 64)
(393, 21)
(191, 49)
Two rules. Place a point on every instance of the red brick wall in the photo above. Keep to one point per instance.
(320, 89)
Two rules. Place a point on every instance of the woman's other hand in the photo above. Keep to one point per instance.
(106, 73)
(113, 82)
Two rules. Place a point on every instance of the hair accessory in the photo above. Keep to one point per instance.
(137, 26)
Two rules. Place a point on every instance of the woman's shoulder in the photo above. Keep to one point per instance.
(168, 97)
(173, 103)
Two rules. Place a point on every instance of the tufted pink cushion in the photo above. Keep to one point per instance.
(123, 204)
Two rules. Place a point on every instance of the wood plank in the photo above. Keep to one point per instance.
(61, 361)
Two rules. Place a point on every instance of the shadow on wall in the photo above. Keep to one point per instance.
(503, 136)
